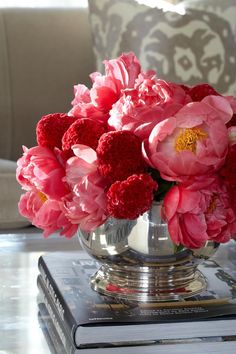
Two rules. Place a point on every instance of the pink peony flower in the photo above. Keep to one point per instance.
(149, 102)
(104, 92)
(82, 164)
(196, 212)
(124, 70)
(82, 95)
(120, 73)
(87, 110)
(221, 108)
(191, 143)
(86, 205)
(45, 214)
(40, 169)
(83, 106)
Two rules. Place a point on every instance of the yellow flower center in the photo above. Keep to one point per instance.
(42, 197)
(187, 139)
(212, 204)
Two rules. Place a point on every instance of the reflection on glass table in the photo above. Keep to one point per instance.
(19, 253)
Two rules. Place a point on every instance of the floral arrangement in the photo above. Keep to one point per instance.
(129, 140)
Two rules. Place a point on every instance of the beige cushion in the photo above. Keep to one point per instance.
(191, 42)
(10, 192)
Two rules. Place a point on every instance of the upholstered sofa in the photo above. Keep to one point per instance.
(44, 52)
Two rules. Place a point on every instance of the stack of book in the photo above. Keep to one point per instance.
(76, 319)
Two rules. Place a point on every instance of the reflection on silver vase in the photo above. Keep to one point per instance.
(141, 263)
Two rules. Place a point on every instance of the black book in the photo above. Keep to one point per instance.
(193, 345)
(54, 327)
(92, 319)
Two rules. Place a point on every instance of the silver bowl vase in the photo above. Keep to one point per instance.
(139, 261)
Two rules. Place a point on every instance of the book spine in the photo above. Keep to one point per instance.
(58, 300)
(57, 326)
(45, 323)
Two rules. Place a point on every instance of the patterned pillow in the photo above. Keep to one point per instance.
(190, 42)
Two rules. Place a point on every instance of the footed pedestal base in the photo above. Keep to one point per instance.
(148, 284)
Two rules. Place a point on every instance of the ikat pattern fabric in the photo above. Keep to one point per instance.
(190, 42)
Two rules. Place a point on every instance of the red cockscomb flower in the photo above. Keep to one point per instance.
(131, 198)
(51, 128)
(119, 155)
(228, 171)
(83, 131)
(198, 92)
(232, 122)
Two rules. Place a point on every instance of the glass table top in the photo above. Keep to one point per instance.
(19, 252)
(20, 332)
